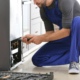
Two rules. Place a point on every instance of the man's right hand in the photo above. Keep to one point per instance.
(24, 38)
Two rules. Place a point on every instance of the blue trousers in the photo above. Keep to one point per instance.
(60, 51)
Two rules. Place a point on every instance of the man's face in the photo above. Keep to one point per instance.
(40, 3)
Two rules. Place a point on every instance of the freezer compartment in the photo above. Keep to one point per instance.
(15, 19)
(16, 52)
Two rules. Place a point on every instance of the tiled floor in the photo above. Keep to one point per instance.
(60, 72)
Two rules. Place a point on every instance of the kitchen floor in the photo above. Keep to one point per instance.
(60, 72)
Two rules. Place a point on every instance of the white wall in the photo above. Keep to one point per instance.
(78, 1)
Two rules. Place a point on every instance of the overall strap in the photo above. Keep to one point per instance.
(56, 3)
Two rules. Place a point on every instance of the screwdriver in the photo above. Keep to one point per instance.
(24, 38)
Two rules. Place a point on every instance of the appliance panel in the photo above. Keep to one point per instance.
(15, 19)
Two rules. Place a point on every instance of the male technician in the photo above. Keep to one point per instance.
(63, 46)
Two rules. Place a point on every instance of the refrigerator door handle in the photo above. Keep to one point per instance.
(26, 2)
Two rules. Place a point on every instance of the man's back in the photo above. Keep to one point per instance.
(73, 3)
(69, 10)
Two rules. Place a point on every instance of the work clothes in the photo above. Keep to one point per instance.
(60, 51)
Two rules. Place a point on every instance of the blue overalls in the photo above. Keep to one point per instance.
(60, 51)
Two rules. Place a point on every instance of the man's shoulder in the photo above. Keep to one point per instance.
(64, 1)
(65, 4)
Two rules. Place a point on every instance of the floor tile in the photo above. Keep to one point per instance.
(60, 72)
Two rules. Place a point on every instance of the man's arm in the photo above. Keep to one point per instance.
(50, 36)
(56, 35)
(66, 7)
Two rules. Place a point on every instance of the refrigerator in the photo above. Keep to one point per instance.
(10, 34)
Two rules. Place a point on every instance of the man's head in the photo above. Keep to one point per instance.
(41, 3)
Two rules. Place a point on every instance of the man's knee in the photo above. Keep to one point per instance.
(35, 61)
(76, 18)
(76, 23)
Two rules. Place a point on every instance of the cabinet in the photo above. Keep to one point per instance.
(43, 28)
(32, 23)
(36, 25)
(26, 6)
(34, 11)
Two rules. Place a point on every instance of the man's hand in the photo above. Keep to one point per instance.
(37, 39)
(24, 39)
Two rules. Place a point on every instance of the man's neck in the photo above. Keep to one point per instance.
(49, 2)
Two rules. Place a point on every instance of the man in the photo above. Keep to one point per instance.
(63, 46)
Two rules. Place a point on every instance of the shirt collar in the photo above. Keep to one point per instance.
(52, 5)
